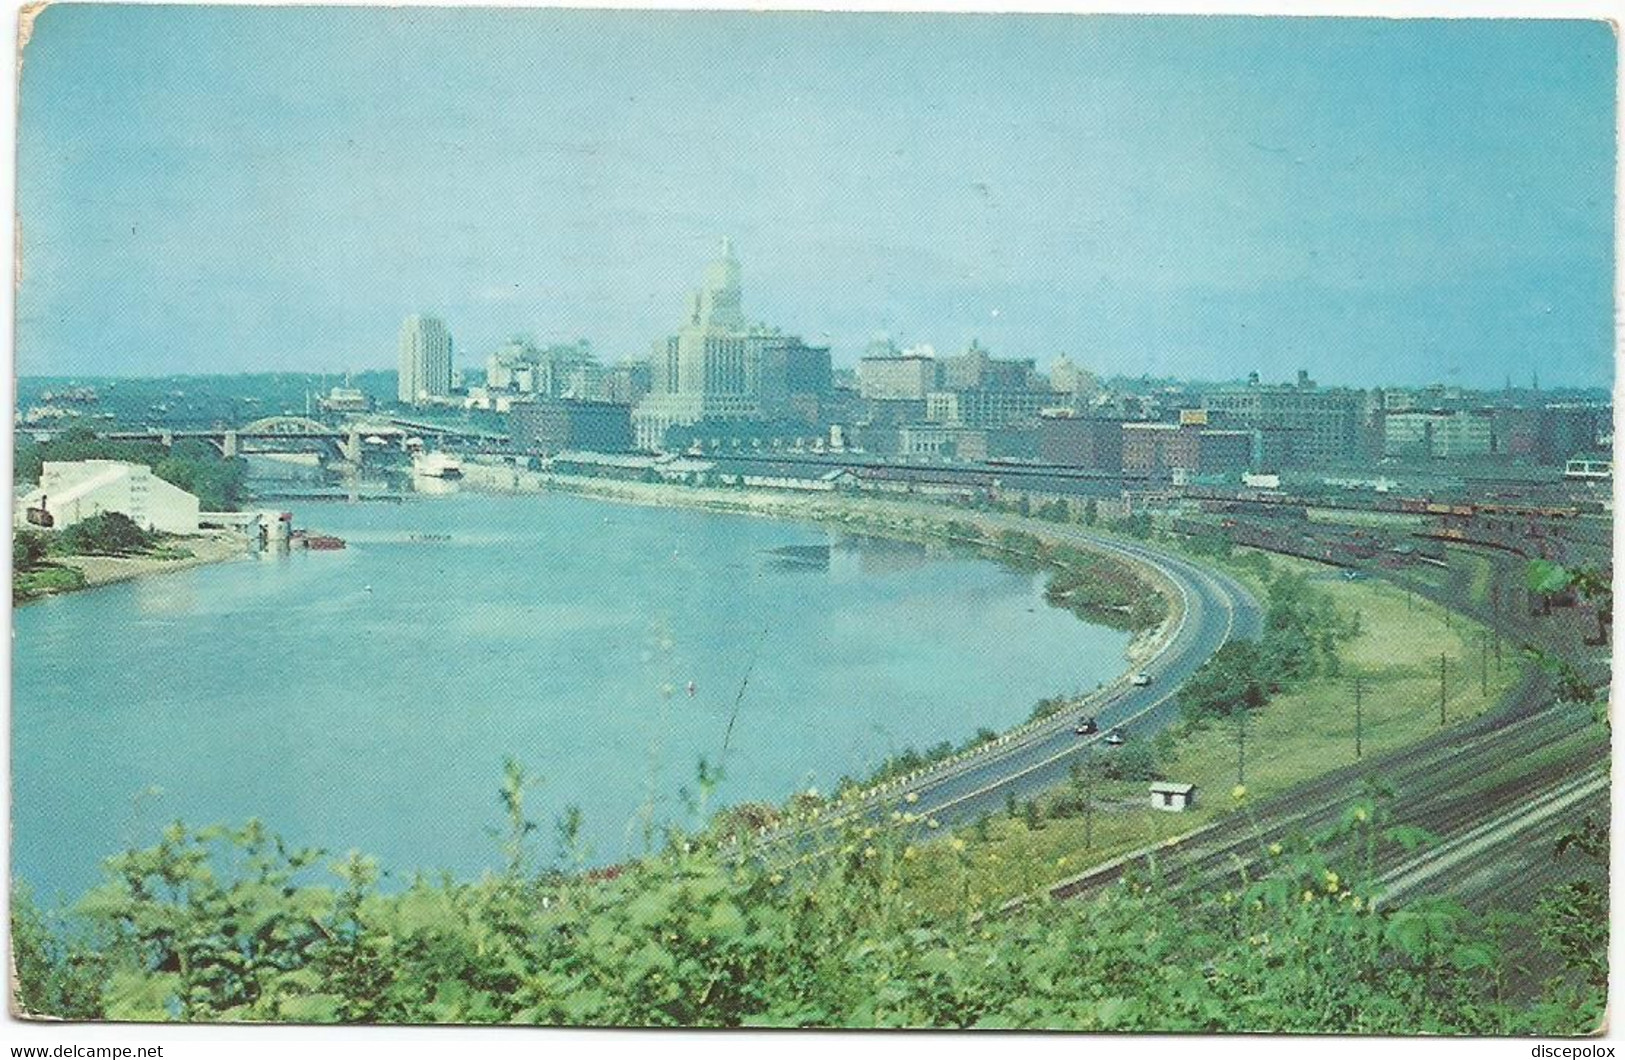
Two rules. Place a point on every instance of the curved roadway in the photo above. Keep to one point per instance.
(1215, 608)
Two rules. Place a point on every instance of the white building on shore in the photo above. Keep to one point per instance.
(73, 490)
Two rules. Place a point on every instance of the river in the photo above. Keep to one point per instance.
(367, 698)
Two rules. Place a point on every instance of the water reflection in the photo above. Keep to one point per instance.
(433, 486)
(801, 559)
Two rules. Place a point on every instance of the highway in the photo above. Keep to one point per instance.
(1212, 609)
(1496, 789)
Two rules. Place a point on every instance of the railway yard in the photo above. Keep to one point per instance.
(1494, 795)
(1481, 802)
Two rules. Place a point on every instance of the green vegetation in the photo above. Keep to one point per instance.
(1552, 582)
(233, 924)
(107, 534)
(1096, 587)
(28, 548)
(1102, 590)
(1302, 630)
(1306, 728)
(32, 573)
(193, 465)
(46, 580)
(909, 760)
(36, 556)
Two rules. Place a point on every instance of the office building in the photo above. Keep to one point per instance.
(721, 367)
(896, 377)
(425, 360)
(1303, 425)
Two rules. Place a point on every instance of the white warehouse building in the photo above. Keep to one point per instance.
(73, 490)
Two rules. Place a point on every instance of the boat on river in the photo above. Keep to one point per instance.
(437, 465)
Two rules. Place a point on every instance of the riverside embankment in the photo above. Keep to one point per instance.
(77, 573)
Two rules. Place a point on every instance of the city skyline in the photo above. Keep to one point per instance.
(1376, 202)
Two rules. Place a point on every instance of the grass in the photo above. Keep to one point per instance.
(1378, 520)
(1296, 737)
(1480, 571)
(43, 581)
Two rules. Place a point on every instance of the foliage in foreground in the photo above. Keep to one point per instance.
(223, 924)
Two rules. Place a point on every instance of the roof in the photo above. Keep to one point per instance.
(1163, 787)
(107, 473)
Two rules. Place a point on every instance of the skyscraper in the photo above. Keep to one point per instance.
(719, 366)
(425, 365)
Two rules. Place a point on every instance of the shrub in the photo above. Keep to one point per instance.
(28, 549)
(107, 534)
(229, 924)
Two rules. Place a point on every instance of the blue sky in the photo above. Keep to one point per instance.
(256, 189)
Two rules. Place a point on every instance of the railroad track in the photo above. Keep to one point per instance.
(1433, 783)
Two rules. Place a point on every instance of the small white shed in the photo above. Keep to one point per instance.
(1175, 798)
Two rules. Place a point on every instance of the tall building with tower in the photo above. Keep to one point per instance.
(425, 359)
(721, 367)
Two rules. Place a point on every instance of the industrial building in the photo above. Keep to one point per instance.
(70, 491)
(552, 425)
(1152, 448)
(1302, 425)
(1437, 435)
(1067, 439)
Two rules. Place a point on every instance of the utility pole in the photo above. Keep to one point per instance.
(1441, 690)
(1241, 743)
(1495, 619)
(1083, 775)
(1356, 717)
(1089, 806)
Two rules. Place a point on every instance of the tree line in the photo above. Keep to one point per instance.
(1302, 631)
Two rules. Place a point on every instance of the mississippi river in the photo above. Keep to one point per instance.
(367, 698)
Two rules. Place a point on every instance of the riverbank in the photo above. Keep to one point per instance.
(90, 572)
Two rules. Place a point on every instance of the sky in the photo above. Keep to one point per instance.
(275, 189)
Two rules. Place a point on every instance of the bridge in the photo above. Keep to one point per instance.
(346, 440)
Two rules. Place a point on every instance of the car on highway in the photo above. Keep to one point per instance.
(1140, 680)
(1116, 738)
(1086, 727)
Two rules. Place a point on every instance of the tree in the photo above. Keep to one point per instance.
(1135, 761)
(1234, 678)
(1551, 580)
(28, 548)
(106, 534)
